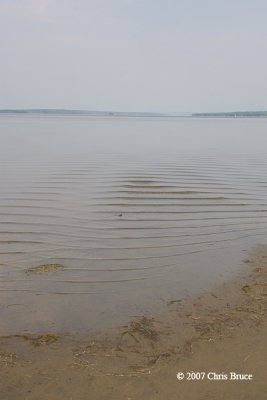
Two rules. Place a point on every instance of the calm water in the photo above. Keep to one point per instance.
(139, 211)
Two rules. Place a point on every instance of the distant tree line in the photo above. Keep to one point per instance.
(240, 114)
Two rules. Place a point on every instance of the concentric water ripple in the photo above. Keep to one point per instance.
(130, 227)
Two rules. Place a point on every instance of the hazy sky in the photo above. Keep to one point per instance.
(134, 55)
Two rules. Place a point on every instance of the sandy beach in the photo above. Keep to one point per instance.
(221, 335)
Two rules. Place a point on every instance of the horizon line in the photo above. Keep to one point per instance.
(75, 110)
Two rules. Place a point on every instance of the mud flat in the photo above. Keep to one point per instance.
(220, 334)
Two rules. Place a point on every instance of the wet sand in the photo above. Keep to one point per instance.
(222, 331)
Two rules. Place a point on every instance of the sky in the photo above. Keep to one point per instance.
(134, 55)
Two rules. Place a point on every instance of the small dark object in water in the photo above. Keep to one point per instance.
(173, 302)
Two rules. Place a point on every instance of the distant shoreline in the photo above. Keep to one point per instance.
(65, 112)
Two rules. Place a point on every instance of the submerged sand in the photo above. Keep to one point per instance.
(220, 332)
